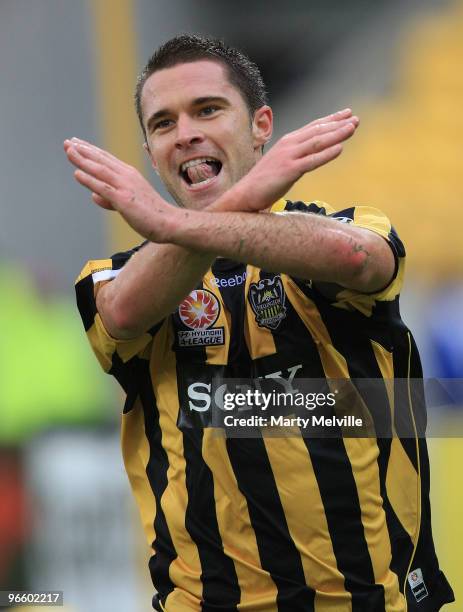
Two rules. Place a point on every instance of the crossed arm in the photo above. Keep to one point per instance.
(183, 243)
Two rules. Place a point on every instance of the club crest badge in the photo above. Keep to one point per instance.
(267, 299)
(417, 585)
(198, 312)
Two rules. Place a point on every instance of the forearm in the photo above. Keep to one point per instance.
(152, 284)
(302, 245)
(149, 288)
(278, 243)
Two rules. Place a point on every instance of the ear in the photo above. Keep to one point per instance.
(262, 126)
(150, 157)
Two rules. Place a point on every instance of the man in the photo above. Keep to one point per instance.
(262, 523)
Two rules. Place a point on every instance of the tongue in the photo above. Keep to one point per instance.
(201, 172)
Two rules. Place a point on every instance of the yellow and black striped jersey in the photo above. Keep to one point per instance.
(269, 524)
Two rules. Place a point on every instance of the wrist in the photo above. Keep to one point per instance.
(175, 219)
(233, 200)
(160, 222)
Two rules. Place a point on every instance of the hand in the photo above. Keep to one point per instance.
(118, 186)
(296, 153)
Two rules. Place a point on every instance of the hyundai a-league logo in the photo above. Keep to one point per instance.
(199, 311)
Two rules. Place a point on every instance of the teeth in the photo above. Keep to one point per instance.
(195, 162)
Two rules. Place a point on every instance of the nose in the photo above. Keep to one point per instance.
(187, 132)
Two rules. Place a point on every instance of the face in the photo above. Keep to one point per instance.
(200, 136)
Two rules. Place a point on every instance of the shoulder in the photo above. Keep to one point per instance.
(106, 269)
(359, 215)
(315, 207)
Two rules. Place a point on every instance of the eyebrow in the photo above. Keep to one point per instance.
(163, 112)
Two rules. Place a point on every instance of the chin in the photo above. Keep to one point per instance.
(201, 201)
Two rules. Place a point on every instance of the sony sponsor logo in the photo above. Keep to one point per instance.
(233, 281)
(200, 393)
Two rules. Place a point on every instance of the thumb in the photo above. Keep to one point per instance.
(106, 204)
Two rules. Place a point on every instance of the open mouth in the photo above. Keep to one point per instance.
(200, 171)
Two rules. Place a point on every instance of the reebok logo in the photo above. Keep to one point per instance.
(233, 281)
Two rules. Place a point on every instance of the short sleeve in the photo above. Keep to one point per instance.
(375, 220)
(107, 349)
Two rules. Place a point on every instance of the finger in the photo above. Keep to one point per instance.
(97, 170)
(329, 125)
(71, 142)
(345, 113)
(106, 204)
(316, 160)
(307, 131)
(313, 130)
(100, 188)
(324, 140)
(338, 116)
(90, 148)
(98, 155)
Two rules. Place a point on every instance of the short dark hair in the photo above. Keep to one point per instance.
(241, 71)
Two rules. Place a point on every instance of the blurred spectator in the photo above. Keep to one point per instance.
(13, 531)
(48, 374)
(445, 316)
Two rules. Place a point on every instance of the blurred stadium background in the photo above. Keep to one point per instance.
(67, 520)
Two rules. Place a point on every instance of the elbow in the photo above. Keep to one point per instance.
(359, 266)
(121, 324)
(369, 266)
(117, 317)
(359, 274)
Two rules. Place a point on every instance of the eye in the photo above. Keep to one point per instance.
(162, 124)
(208, 110)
